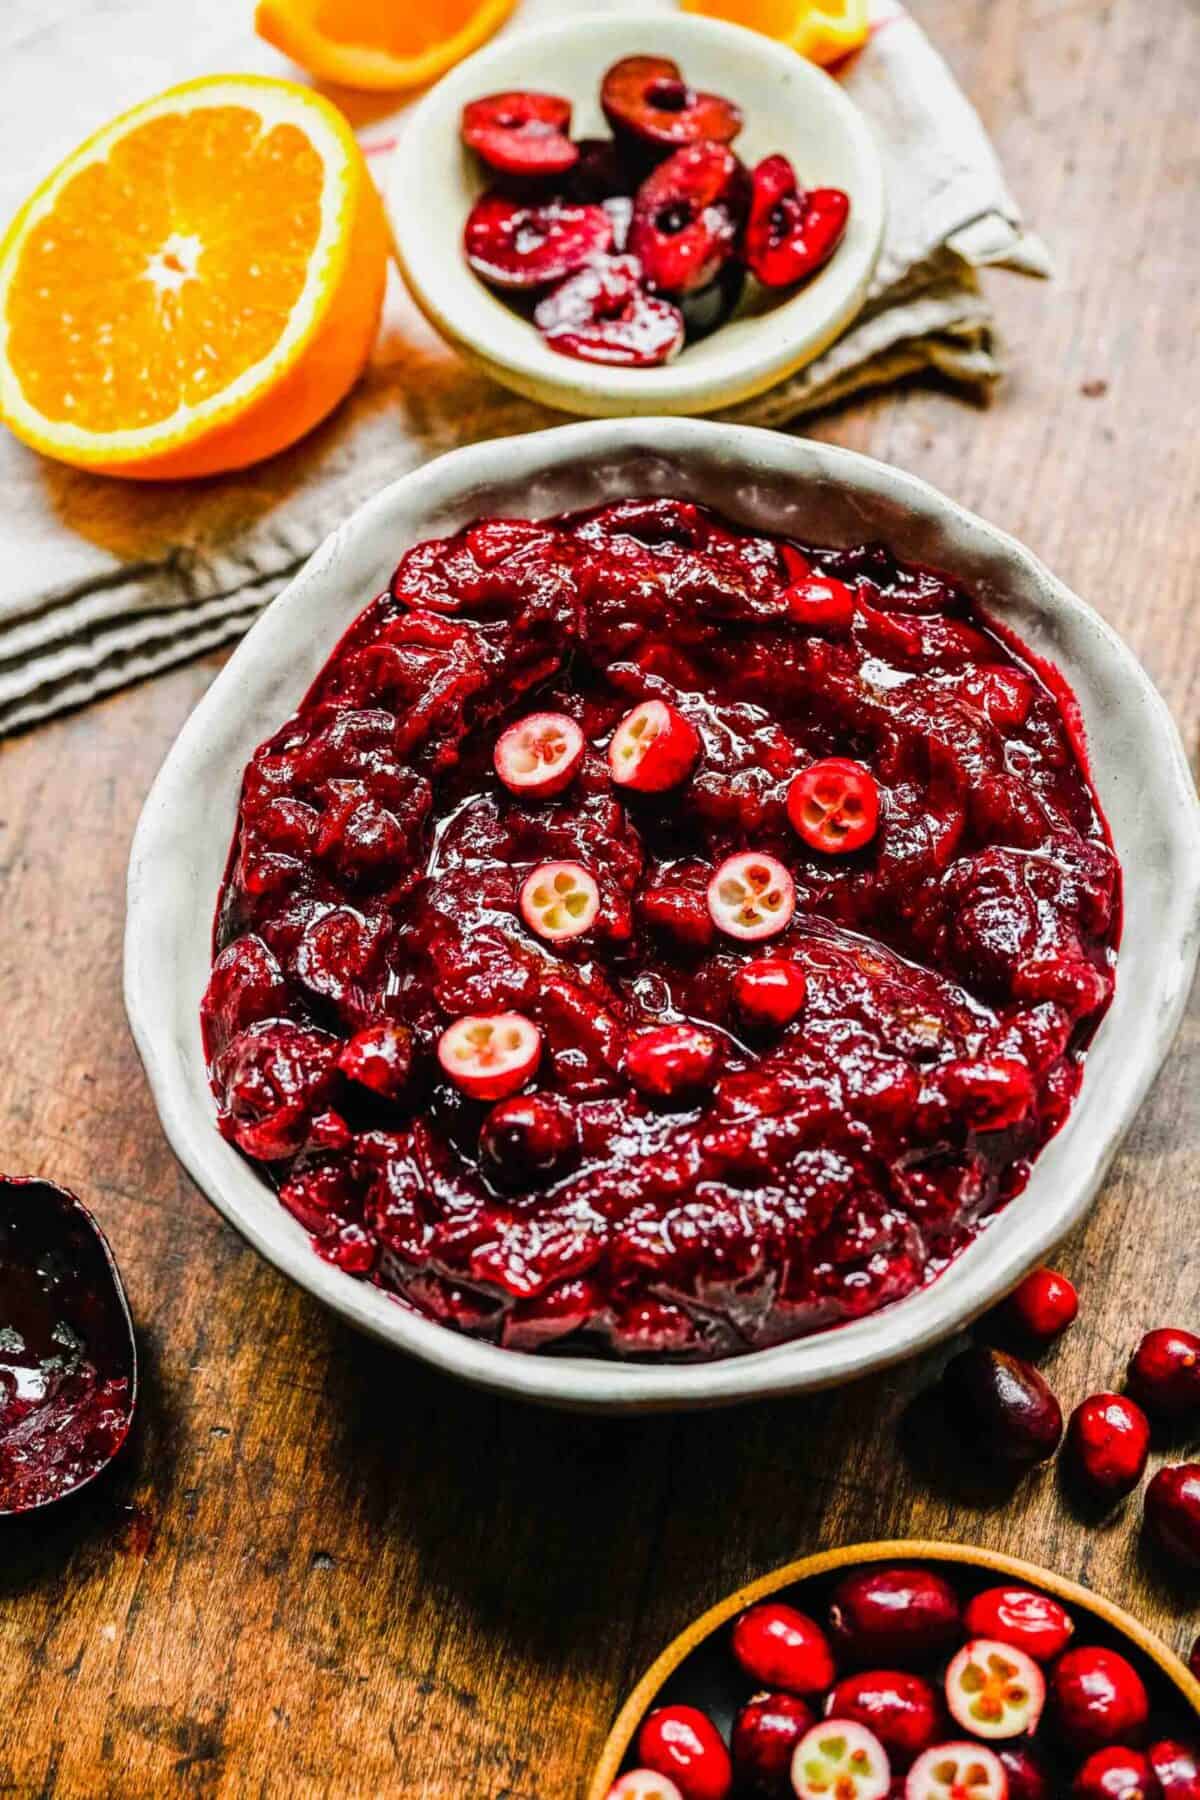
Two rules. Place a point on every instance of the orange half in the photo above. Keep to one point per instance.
(380, 44)
(195, 286)
(823, 31)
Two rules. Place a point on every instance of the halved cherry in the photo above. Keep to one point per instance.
(686, 219)
(821, 603)
(791, 233)
(524, 248)
(834, 805)
(957, 1772)
(653, 748)
(559, 900)
(603, 314)
(643, 1784)
(994, 1689)
(751, 896)
(840, 1760)
(539, 755)
(1020, 1616)
(521, 133)
(647, 97)
(770, 991)
(490, 1055)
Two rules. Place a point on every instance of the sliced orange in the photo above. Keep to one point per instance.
(379, 44)
(821, 30)
(195, 286)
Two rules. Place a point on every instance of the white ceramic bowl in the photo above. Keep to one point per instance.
(795, 486)
(790, 106)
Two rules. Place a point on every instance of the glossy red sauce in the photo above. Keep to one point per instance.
(830, 1166)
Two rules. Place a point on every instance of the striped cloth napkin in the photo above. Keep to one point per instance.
(103, 582)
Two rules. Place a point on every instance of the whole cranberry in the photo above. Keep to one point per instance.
(769, 991)
(1027, 1778)
(1115, 1774)
(1164, 1372)
(902, 1709)
(765, 1735)
(527, 1139)
(1042, 1307)
(1099, 1698)
(1108, 1441)
(1021, 1617)
(1176, 1768)
(683, 1742)
(1001, 1408)
(782, 1648)
(672, 1062)
(1173, 1511)
(894, 1615)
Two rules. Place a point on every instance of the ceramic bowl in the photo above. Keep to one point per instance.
(763, 480)
(696, 1668)
(790, 106)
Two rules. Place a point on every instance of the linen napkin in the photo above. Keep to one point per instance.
(103, 582)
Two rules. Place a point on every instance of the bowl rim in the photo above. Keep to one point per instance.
(900, 1550)
(824, 1359)
(766, 356)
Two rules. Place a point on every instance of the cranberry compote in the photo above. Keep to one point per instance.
(954, 963)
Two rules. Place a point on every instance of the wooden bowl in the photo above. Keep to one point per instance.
(1166, 1673)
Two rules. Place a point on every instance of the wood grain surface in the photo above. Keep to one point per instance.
(325, 1570)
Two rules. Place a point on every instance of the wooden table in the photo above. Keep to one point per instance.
(326, 1570)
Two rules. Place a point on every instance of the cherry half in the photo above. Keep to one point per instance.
(834, 805)
(524, 248)
(791, 234)
(686, 217)
(521, 133)
(646, 99)
(603, 314)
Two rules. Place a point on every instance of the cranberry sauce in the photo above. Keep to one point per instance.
(67, 1360)
(816, 1159)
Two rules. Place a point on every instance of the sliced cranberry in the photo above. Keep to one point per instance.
(527, 1139)
(647, 98)
(491, 1055)
(764, 1738)
(1031, 1621)
(1115, 1774)
(834, 805)
(1001, 1408)
(604, 315)
(780, 1647)
(995, 1690)
(524, 248)
(1108, 1442)
(538, 756)
(894, 1615)
(1041, 1307)
(843, 1758)
(559, 900)
(1028, 1777)
(957, 1772)
(751, 896)
(1176, 1768)
(1173, 1511)
(672, 1062)
(683, 1742)
(1099, 1698)
(770, 992)
(686, 217)
(379, 1057)
(1164, 1372)
(903, 1710)
(644, 1784)
(521, 133)
(791, 234)
(653, 748)
(821, 603)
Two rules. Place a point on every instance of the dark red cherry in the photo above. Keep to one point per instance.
(1173, 1511)
(892, 1615)
(645, 98)
(521, 133)
(1041, 1307)
(686, 217)
(1028, 1778)
(1001, 1408)
(1176, 1768)
(790, 234)
(1108, 1442)
(903, 1710)
(1098, 1697)
(1117, 1773)
(527, 1139)
(764, 1737)
(1164, 1372)
(780, 1647)
(683, 1742)
(524, 248)
(604, 315)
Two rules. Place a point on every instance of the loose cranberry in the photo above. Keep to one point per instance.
(490, 1055)
(538, 756)
(1027, 1778)
(644, 1784)
(1108, 1441)
(751, 896)
(791, 234)
(672, 1062)
(1173, 1511)
(894, 1615)
(958, 1772)
(1099, 1698)
(764, 1738)
(834, 805)
(1164, 1372)
(603, 314)
(1041, 1307)
(524, 248)
(1115, 1774)
(840, 1758)
(646, 98)
(559, 900)
(995, 1690)
(653, 748)
(769, 991)
(902, 1709)
(686, 217)
(527, 1139)
(683, 1742)
(820, 603)
(521, 133)
(1176, 1768)
(1031, 1621)
(1001, 1408)
(779, 1647)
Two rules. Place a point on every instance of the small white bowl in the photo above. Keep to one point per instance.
(764, 480)
(790, 106)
